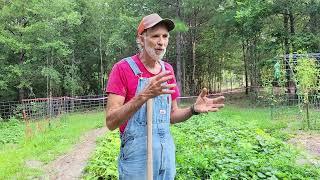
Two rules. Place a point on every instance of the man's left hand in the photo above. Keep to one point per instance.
(204, 104)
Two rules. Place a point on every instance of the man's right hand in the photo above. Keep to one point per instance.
(118, 112)
(157, 86)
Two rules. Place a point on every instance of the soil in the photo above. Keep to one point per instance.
(311, 143)
(71, 165)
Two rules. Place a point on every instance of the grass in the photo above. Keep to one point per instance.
(43, 143)
(236, 143)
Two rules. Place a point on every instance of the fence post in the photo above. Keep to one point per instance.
(28, 130)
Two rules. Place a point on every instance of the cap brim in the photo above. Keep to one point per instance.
(168, 22)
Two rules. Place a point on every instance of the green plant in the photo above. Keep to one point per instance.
(103, 163)
(273, 82)
(235, 143)
(307, 76)
(11, 131)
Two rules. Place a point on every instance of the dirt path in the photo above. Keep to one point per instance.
(71, 165)
(311, 143)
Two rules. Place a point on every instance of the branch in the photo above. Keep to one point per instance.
(9, 29)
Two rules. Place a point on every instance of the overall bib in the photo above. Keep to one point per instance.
(132, 162)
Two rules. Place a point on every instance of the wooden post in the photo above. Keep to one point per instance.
(149, 140)
(28, 130)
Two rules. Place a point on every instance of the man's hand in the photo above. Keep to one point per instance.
(204, 104)
(157, 87)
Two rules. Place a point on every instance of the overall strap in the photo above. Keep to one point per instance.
(162, 66)
(133, 66)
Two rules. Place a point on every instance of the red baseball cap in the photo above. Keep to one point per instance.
(152, 20)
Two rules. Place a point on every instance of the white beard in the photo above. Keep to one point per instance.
(152, 53)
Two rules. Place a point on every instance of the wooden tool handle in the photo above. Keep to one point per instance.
(149, 140)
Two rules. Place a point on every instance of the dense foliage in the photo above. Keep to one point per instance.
(233, 144)
(11, 131)
(104, 162)
(67, 47)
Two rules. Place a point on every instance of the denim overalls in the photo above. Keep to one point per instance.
(132, 164)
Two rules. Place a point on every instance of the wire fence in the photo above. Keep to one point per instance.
(40, 108)
(289, 105)
(282, 105)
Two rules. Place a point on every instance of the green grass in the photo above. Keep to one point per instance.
(45, 143)
(235, 143)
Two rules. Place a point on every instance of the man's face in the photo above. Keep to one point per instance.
(156, 41)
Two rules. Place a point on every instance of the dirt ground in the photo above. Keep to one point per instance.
(71, 165)
(311, 143)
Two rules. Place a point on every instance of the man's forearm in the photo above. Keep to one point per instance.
(180, 115)
(118, 116)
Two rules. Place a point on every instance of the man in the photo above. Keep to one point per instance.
(132, 82)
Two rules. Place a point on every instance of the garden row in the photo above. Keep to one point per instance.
(232, 144)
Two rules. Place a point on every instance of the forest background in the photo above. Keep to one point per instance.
(68, 47)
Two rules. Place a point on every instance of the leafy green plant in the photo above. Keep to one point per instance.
(103, 163)
(273, 83)
(232, 144)
(11, 131)
(307, 76)
(229, 150)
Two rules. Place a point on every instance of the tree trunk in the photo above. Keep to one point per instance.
(193, 45)
(255, 67)
(292, 84)
(214, 84)
(184, 85)
(308, 115)
(292, 30)
(314, 18)
(21, 89)
(193, 60)
(252, 66)
(287, 49)
(286, 31)
(245, 66)
(101, 66)
(220, 74)
(178, 51)
(231, 81)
